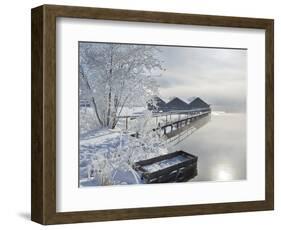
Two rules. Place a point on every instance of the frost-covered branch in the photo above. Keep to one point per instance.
(117, 76)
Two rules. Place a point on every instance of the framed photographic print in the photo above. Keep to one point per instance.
(141, 114)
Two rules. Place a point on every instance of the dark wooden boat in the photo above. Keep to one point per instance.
(173, 167)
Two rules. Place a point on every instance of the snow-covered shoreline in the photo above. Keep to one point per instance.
(107, 155)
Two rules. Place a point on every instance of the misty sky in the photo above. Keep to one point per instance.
(218, 76)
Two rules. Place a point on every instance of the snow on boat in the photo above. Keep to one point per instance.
(173, 167)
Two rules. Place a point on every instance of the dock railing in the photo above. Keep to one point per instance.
(172, 119)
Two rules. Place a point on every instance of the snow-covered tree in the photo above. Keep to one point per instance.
(113, 76)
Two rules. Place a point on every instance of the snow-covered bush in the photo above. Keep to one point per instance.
(101, 169)
(105, 166)
(146, 143)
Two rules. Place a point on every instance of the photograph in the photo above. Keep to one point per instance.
(153, 113)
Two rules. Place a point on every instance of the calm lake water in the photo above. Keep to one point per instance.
(220, 145)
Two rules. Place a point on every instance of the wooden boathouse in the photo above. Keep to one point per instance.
(159, 105)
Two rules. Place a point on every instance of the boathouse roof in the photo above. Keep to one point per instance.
(177, 103)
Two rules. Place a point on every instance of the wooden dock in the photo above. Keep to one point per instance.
(164, 121)
(175, 125)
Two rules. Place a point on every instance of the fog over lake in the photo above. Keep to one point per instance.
(220, 146)
(219, 77)
(216, 75)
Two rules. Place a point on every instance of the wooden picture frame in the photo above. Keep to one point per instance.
(43, 189)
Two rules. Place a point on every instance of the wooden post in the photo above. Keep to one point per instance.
(166, 119)
(126, 123)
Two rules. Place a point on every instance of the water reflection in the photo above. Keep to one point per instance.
(182, 133)
(220, 144)
(222, 172)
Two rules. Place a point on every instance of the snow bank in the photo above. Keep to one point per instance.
(218, 113)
